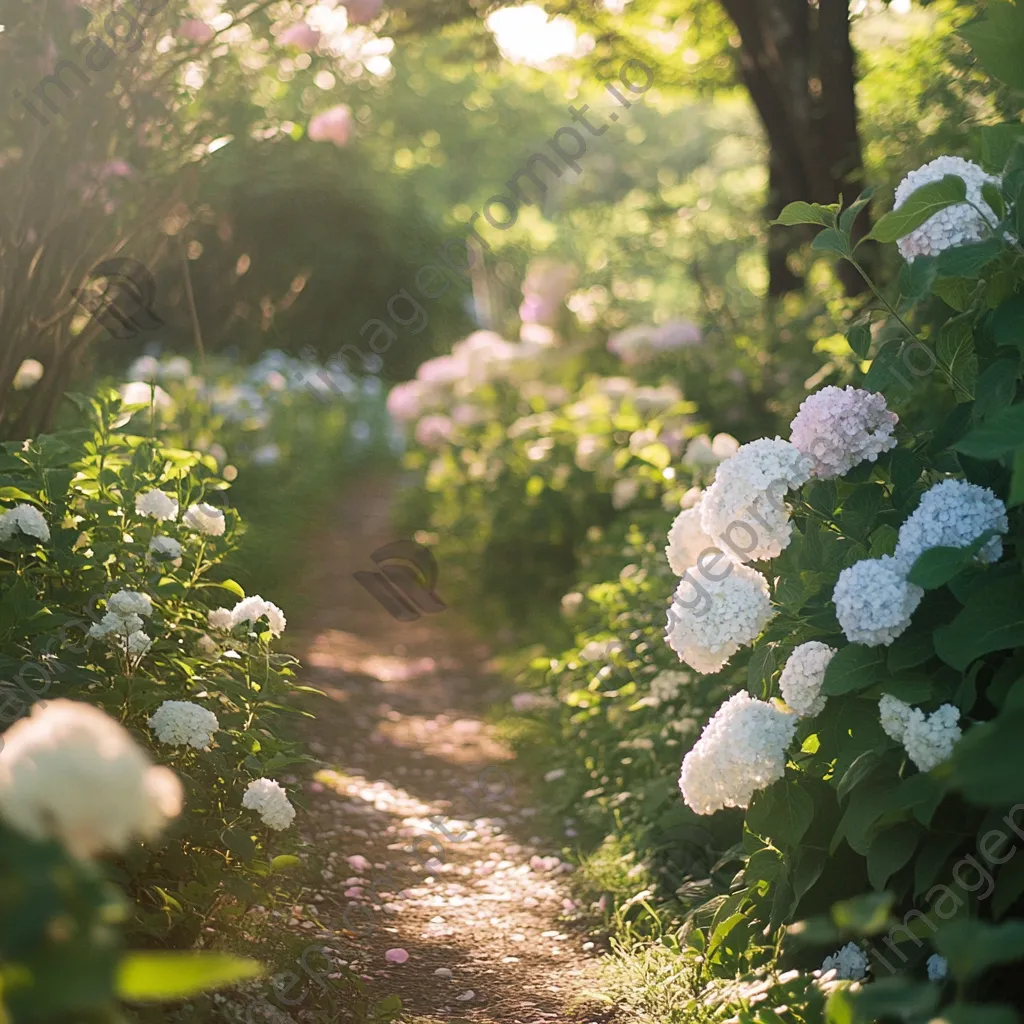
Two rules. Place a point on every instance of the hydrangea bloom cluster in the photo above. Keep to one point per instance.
(269, 800)
(165, 548)
(708, 622)
(955, 225)
(204, 518)
(157, 504)
(26, 520)
(850, 963)
(838, 428)
(743, 508)
(122, 623)
(687, 541)
(929, 739)
(708, 452)
(802, 676)
(249, 609)
(644, 342)
(741, 750)
(874, 601)
(894, 715)
(72, 773)
(937, 966)
(178, 722)
(953, 513)
(667, 685)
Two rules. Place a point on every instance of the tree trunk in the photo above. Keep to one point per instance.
(797, 62)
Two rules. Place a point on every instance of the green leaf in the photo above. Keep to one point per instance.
(853, 668)
(1017, 480)
(1009, 886)
(973, 1013)
(849, 215)
(991, 194)
(968, 260)
(921, 204)
(807, 213)
(163, 976)
(864, 915)
(987, 763)
(862, 767)
(914, 648)
(830, 240)
(889, 851)
(859, 338)
(972, 946)
(996, 41)
(935, 567)
(917, 279)
(955, 353)
(283, 861)
(1000, 434)
(1008, 323)
(992, 620)
(232, 587)
(996, 142)
(895, 999)
(782, 812)
(996, 387)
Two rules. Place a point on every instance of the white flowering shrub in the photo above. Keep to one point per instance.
(849, 736)
(139, 722)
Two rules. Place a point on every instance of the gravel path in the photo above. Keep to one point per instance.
(428, 841)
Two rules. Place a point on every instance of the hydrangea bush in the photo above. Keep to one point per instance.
(145, 708)
(842, 839)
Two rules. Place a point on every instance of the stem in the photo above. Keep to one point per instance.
(881, 298)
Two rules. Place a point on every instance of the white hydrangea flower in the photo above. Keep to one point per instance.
(850, 963)
(929, 739)
(157, 504)
(938, 967)
(709, 621)
(838, 428)
(253, 608)
(743, 510)
(955, 225)
(165, 547)
(741, 750)
(220, 618)
(72, 773)
(136, 644)
(874, 601)
(115, 625)
(802, 676)
(178, 722)
(667, 685)
(894, 715)
(687, 541)
(129, 602)
(266, 797)
(204, 518)
(24, 519)
(953, 513)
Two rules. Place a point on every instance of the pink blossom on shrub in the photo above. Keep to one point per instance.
(362, 11)
(433, 431)
(404, 404)
(195, 31)
(333, 125)
(301, 35)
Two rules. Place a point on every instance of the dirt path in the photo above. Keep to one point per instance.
(480, 906)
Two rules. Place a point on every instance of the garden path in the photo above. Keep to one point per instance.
(490, 928)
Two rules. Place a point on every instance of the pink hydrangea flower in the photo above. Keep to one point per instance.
(195, 31)
(362, 11)
(838, 428)
(301, 35)
(404, 401)
(333, 125)
(433, 431)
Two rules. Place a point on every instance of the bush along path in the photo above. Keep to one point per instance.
(434, 886)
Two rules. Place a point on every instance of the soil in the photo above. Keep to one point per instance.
(421, 788)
